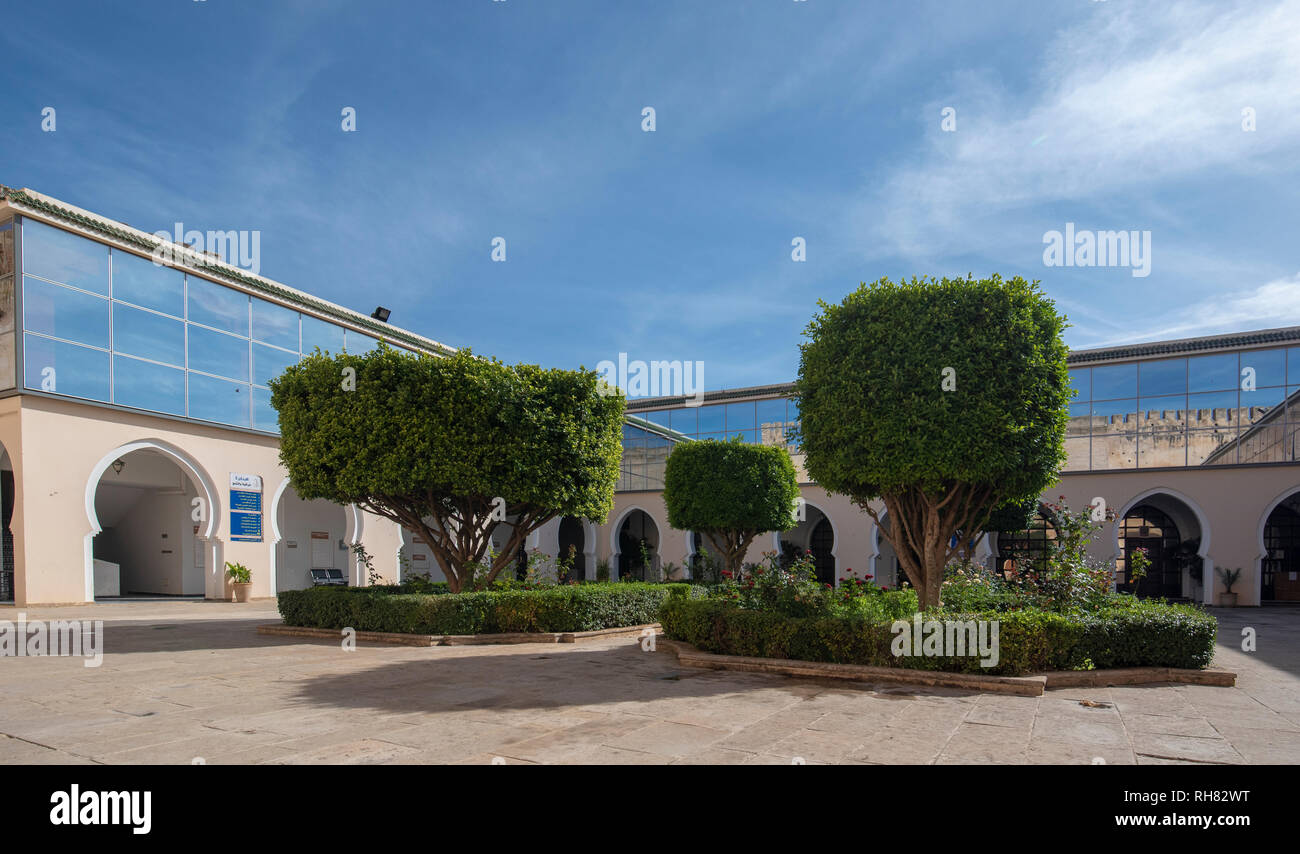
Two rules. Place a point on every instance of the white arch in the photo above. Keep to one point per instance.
(1202, 521)
(614, 550)
(352, 524)
(202, 482)
(1263, 551)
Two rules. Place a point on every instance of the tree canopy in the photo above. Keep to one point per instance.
(450, 447)
(945, 398)
(730, 492)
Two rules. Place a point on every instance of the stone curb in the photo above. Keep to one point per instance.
(400, 639)
(1025, 686)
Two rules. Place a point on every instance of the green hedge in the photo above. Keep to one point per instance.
(564, 608)
(1144, 634)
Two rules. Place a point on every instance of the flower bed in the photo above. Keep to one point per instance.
(561, 608)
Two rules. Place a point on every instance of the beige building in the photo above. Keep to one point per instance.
(139, 452)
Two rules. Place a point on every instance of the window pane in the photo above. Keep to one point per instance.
(1269, 367)
(65, 368)
(1212, 373)
(264, 416)
(217, 306)
(1258, 404)
(1114, 381)
(6, 248)
(1116, 410)
(750, 436)
(65, 313)
(318, 333)
(145, 385)
(1114, 451)
(212, 399)
(1162, 447)
(1080, 419)
(217, 353)
(143, 333)
(740, 416)
(270, 362)
(1077, 454)
(658, 416)
(356, 343)
(683, 420)
(1081, 382)
(1211, 409)
(1167, 376)
(1212, 447)
(275, 324)
(61, 256)
(142, 282)
(770, 412)
(1169, 406)
(710, 418)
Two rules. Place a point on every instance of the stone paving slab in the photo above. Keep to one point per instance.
(187, 681)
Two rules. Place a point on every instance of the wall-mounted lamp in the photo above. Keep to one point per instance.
(381, 314)
(118, 465)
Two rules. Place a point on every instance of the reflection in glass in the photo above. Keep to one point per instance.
(141, 282)
(275, 324)
(64, 313)
(264, 416)
(1162, 447)
(1077, 454)
(1269, 367)
(1081, 383)
(152, 336)
(62, 368)
(217, 400)
(683, 420)
(1210, 409)
(711, 418)
(61, 256)
(1080, 421)
(1114, 451)
(1164, 376)
(218, 353)
(1113, 381)
(770, 411)
(145, 385)
(270, 362)
(356, 343)
(217, 306)
(1215, 447)
(318, 333)
(740, 416)
(1212, 373)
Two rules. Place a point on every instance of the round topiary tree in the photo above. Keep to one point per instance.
(450, 446)
(947, 399)
(730, 492)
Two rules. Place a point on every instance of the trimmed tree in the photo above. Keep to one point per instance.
(730, 492)
(450, 447)
(947, 399)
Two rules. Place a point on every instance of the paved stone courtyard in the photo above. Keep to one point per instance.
(182, 681)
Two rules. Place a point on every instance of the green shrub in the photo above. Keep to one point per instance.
(561, 608)
(1130, 634)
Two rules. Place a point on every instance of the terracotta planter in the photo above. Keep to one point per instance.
(243, 592)
(1227, 600)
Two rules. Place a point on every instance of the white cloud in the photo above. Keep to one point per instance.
(1130, 98)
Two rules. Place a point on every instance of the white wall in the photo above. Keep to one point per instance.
(298, 519)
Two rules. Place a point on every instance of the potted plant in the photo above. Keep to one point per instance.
(1228, 599)
(242, 580)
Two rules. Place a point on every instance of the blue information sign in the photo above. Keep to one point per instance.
(245, 508)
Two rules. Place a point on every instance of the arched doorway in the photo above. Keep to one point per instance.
(573, 544)
(1280, 568)
(1027, 549)
(1170, 533)
(637, 548)
(149, 543)
(704, 562)
(887, 571)
(815, 535)
(313, 545)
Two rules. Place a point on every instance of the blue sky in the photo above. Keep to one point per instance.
(775, 119)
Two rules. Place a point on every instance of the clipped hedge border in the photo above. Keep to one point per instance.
(565, 608)
(1144, 635)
